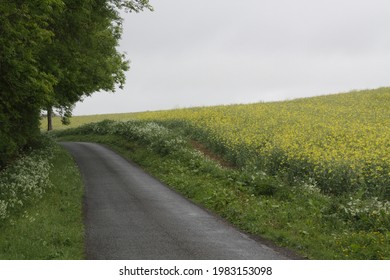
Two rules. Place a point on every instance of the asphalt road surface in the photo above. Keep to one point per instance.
(131, 215)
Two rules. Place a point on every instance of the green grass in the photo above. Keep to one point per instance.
(297, 216)
(52, 227)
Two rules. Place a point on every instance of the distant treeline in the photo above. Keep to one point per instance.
(52, 54)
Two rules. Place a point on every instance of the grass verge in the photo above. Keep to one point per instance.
(52, 227)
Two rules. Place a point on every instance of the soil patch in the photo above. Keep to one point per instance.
(211, 155)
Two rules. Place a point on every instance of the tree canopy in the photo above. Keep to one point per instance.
(52, 54)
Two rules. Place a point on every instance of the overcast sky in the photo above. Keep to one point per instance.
(207, 52)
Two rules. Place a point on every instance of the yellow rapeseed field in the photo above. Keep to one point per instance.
(350, 131)
(341, 139)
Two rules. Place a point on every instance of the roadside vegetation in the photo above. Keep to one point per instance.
(276, 196)
(40, 205)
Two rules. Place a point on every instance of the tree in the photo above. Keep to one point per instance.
(24, 86)
(84, 56)
(52, 54)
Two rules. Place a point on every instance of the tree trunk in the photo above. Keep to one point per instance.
(49, 118)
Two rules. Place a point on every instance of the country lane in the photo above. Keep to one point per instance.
(130, 215)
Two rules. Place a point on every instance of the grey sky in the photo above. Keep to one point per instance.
(207, 52)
